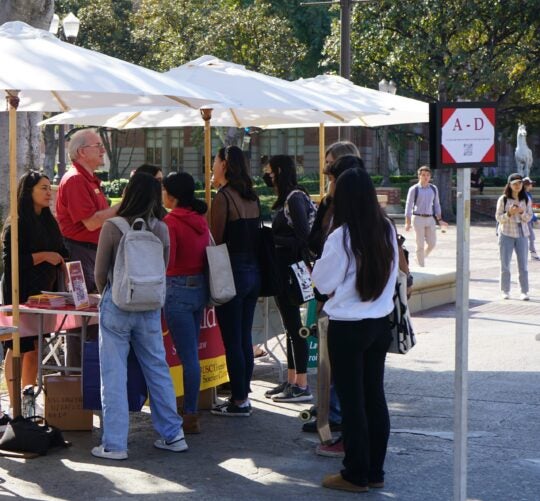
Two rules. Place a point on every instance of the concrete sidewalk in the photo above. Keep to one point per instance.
(268, 457)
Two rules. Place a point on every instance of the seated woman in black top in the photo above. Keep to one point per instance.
(41, 253)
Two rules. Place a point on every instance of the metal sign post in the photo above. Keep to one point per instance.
(462, 135)
(462, 332)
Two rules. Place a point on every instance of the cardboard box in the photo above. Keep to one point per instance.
(63, 403)
(207, 399)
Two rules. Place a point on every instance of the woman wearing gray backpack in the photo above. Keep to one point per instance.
(119, 328)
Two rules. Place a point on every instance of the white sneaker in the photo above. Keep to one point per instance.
(101, 452)
(524, 297)
(177, 444)
(535, 256)
(505, 295)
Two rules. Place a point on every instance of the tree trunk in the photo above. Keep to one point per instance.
(37, 13)
(51, 144)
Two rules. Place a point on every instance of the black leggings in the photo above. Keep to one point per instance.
(297, 347)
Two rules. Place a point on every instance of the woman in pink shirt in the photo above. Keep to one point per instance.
(187, 289)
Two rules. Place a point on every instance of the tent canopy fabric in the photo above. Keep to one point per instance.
(52, 75)
(397, 109)
(260, 100)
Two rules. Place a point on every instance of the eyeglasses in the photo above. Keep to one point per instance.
(96, 145)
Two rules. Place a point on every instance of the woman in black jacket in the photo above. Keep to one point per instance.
(41, 255)
(291, 226)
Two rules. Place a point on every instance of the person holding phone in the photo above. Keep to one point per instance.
(513, 213)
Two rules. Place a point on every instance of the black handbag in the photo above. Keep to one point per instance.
(271, 282)
(26, 435)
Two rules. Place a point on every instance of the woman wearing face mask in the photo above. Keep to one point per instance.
(291, 226)
(235, 221)
(41, 254)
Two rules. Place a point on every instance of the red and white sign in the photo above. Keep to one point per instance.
(467, 135)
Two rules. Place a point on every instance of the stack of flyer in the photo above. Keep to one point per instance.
(47, 301)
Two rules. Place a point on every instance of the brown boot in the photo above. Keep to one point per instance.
(191, 424)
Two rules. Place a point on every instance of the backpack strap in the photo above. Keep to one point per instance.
(120, 223)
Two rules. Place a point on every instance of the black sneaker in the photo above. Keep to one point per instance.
(4, 420)
(311, 426)
(293, 393)
(277, 389)
(229, 408)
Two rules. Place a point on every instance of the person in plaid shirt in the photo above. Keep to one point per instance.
(514, 211)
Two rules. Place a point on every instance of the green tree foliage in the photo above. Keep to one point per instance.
(173, 32)
(449, 50)
(105, 26)
(486, 50)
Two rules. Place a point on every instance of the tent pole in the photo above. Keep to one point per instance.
(206, 114)
(13, 103)
(322, 156)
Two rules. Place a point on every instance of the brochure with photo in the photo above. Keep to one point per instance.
(77, 284)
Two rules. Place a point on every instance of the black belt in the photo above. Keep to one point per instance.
(87, 245)
(423, 215)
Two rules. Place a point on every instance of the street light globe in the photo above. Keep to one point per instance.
(71, 26)
(55, 24)
(392, 87)
(383, 85)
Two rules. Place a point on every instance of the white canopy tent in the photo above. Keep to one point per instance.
(42, 73)
(259, 100)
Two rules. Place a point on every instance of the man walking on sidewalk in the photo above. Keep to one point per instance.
(423, 209)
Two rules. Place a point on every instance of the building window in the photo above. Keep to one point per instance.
(295, 146)
(177, 148)
(165, 147)
(153, 146)
(278, 142)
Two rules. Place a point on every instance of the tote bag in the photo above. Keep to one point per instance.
(403, 338)
(220, 274)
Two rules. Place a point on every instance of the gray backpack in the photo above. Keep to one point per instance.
(138, 281)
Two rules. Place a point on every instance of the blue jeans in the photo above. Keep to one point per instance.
(117, 329)
(186, 298)
(506, 246)
(236, 320)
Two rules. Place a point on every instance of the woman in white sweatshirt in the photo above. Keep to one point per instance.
(358, 270)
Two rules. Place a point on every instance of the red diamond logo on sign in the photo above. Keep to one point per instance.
(467, 135)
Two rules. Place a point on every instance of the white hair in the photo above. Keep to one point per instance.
(78, 140)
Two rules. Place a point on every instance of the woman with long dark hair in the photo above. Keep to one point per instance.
(291, 226)
(235, 219)
(513, 213)
(358, 270)
(41, 255)
(187, 289)
(118, 329)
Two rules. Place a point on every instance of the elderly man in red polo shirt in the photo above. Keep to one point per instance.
(82, 208)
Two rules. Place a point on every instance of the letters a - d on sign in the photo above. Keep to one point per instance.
(463, 134)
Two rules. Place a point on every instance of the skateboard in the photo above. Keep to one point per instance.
(323, 385)
(310, 325)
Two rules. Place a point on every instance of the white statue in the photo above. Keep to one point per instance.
(523, 153)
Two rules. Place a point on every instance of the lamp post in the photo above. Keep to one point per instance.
(70, 26)
(390, 87)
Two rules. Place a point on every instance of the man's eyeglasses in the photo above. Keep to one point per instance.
(96, 145)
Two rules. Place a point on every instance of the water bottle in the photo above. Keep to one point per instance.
(28, 401)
